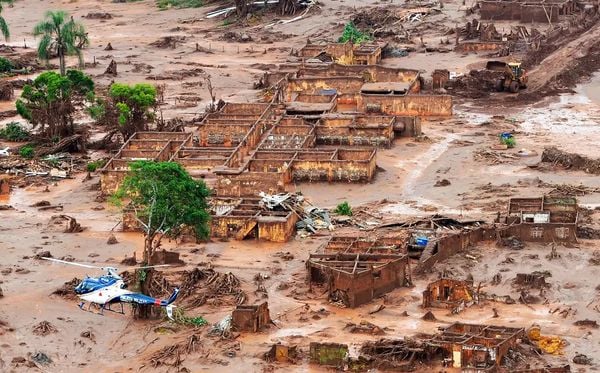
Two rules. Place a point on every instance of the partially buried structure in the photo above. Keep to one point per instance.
(324, 122)
(541, 219)
(355, 274)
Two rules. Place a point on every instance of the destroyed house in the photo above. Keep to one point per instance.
(147, 146)
(249, 145)
(542, 219)
(448, 293)
(244, 218)
(364, 54)
(363, 89)
(480, 347)
(528, 11)
(355, 274)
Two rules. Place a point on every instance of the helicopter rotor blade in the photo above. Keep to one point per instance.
(143, 267)
(72, 263)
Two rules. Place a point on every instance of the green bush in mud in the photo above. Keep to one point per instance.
(354, 35)
(27, 151)
(178, 4)
(343, 208)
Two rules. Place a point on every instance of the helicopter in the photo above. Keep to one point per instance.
(110, 289)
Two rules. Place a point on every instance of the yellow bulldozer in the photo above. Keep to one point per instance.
(514, 77)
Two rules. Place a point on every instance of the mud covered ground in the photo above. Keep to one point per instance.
(458, 150)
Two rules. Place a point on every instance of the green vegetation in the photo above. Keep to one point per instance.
(165, 199)
(178, 4)
(14, 132)
(27, 151)
(62, 35)
(510, 142)
(3, 25)
(94, 165)
(131, 107)
(5, 65)
(51, 100)
(343, 208)
(180, 318)
(354, 35)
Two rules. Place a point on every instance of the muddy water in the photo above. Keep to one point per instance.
(591, 89)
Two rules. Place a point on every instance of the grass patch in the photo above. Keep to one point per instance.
(178, 4)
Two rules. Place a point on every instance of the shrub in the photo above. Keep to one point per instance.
(510, 142)
(14, 132)
(27, 151)
(5, 65)
(354, 35)
(343, 209)
(178, 4)
(94, 165)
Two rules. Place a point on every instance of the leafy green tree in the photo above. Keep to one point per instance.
(164, 199)
(354, 35)
(131, 107)
(61, 36)
(3, 25)
(51, 100)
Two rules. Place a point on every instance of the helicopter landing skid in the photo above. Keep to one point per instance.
(102, 307)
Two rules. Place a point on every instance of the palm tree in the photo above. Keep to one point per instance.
(3, 24)
(61, 37)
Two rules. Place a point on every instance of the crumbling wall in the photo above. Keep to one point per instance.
(481, 46)
(551, 232)
(450, 245)
(251, 318)
(416, 105)
(277, 228)
(110, 180)
(340, 85)
(248, 184)
(520, 11)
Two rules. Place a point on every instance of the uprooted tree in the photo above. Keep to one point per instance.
(128, 108)
(50, 102)
(165, 201)
(243, 7)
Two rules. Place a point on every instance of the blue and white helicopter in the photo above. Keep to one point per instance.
(110, 289)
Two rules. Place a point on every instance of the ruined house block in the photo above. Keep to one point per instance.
(356, 279)
(448, 293)
(477, 346)
(541, 219)
(251, 318)
(282, 354)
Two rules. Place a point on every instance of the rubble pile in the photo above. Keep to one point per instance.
(311, 218)
(173, 355)
(396, 353)
(67, 291)
(44, 328)
(570, 161)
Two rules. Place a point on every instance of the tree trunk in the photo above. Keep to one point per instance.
(241, 8)
(144, 311)
(287, 7)
(148, 249)
(61, 61)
